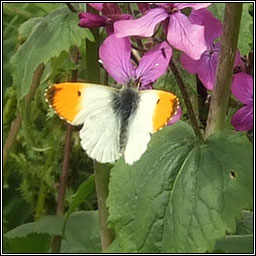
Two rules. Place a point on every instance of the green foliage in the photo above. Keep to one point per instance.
(84, 190)
(47, 40)
(82, 234)
(32, 243)
(242, 240)
(180, 196)
(51, 225)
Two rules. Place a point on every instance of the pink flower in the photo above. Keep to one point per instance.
(181, 33)
(206, 66)
(115, 55)
(110, 13)
(242, 88)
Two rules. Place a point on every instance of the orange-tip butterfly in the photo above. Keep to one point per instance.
(115, 122)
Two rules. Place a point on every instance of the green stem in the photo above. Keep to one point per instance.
(225, 67)
(187, 101)
(102, 174)
(101, 171)
(40, 201)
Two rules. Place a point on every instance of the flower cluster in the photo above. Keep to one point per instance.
(195, 34)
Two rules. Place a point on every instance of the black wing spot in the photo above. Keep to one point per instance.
(158, 101)
(79, 93)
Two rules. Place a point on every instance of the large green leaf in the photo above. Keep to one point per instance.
(32, 243)
(51, 225)
(82, 233)
(55, 33)
(181, 196)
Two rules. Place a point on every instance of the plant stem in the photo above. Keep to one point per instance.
(225, 66)
(187, 101)
(101, 171)
(71, 7)
(40, 201)
(17, 122)
(56, 241)
(15, 127)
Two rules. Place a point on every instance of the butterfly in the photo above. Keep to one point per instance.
(115, 122)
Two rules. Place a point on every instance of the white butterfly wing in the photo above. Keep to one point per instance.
(154, 110)
(100, 132)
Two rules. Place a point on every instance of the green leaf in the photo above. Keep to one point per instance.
(51, 225)
(82, 233)
(56, 32)
(245, 34)
(84, 190)
(242, 241)
(26, 28)
(236, 244)
(181, 196)
(33, 243)
(245, 225)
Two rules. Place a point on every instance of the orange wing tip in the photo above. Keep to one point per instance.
(65, 100)
(165, 110)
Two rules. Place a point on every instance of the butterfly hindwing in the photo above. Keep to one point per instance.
(101, 130)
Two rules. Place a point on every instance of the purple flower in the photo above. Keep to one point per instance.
(110, 13)
(242, 88)
(206, 66)
(181, 33)
(115, 54)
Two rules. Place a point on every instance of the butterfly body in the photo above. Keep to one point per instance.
(115, 122)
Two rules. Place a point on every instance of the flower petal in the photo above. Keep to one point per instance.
(97, 6)
(176, 117)
(207, 68)
(154, 63)
(213, 27)
(143, 26)
(242, 120)
(242, 87)
(195, 6)
(185, 36)
(89, 20)
(189, 64)
(115, 53)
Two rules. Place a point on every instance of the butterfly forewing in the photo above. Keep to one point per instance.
(154, 110)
